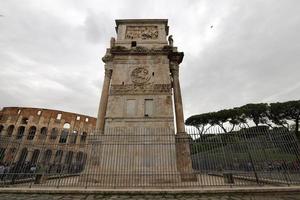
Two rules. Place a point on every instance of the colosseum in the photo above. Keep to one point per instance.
(50, 139)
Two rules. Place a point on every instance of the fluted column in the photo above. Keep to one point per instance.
(174, 67)
(103, 100)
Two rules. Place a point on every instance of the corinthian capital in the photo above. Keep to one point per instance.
(176, 57)
(107, 58)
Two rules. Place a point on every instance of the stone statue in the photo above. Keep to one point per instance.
(112, 42)
(170, 39)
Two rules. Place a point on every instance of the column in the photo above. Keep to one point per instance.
(183, 155)
(103, 100)
(177, 98)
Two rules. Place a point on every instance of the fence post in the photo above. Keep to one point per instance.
(223, 151)
(253, 167)
(251, 160)
(59, 177)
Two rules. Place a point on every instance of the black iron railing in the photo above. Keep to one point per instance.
(150, 158)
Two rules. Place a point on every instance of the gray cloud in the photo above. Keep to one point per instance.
(50, 52)
(254, 57)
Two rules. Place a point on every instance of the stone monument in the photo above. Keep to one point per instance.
(141, 83)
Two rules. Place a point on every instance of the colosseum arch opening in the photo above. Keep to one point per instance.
(43, 133)
(73, 137)
(23, 156)
(35, 156)
(10, 155)
(64, 133)
(31, 133)
(47, 157)
(20, 132)
(1, 128)
(10, 130)
(54, 133)
(2, 154)
(58, 157)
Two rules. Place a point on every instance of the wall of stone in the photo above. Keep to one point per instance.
(135, 79)
(38, 131)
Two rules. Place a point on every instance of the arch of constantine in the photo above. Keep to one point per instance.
(138, 139)
(140, 87)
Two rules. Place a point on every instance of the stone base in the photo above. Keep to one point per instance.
(188, 177)
(120, 180)
(183, 155)
(132, 159)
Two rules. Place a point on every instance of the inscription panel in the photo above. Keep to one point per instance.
(141, 32)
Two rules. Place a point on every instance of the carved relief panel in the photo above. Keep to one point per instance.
(145, 89)
(141, 81)
(140, 75)
(141, 32)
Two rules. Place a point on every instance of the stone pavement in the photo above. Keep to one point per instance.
(203, 180)
(211, 193)
(292, 196)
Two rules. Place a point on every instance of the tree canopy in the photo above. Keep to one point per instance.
(281, 114)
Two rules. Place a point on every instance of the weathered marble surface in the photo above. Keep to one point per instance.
(141, 70)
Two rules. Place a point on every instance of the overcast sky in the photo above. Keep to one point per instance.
(50, 50)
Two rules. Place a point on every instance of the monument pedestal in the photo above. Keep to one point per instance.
(132, 160)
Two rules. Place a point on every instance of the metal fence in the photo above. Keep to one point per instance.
(149, 158)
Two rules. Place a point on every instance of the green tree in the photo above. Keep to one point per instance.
(280, 113)
(256, 112)
(221, 117)
(277, 114)
(206, 120)
(200, 122)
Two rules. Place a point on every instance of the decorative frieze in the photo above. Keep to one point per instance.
(140, 89)
(166, 50)
(141, 32)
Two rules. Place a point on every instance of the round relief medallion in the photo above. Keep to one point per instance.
(140, 75)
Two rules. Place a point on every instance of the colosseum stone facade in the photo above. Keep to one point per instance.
(50, 139)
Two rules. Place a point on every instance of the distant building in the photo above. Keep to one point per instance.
(53, 139)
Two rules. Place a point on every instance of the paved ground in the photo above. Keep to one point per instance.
(222, 192)
(203, 180)
(211, 193)
(294, 196)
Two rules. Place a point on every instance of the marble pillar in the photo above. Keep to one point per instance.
(177, 98)
(103, 101)
(183, 154)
